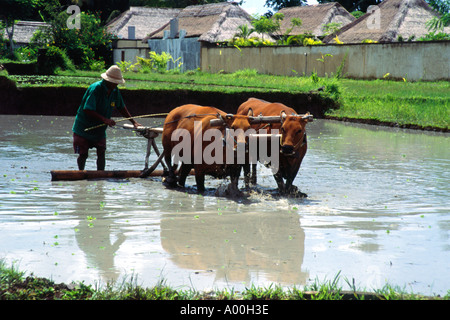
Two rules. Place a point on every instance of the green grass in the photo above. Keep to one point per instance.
(404, 103)
(15, 286)
(241, 81)
(422, 104)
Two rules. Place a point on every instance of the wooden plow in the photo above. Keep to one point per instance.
(150, 134)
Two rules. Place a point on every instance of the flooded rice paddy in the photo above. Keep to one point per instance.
(377, 212)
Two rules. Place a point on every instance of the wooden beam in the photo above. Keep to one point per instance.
(69, 175)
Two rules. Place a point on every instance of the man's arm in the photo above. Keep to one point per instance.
(126, 114)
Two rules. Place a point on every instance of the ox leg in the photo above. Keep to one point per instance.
(279, 180)
(171, 178)
(292, 189)
(233, 187)
(247, 175)
(253, 178)
(200, 180)
(184, 172)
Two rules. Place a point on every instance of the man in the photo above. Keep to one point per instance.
(96, 108)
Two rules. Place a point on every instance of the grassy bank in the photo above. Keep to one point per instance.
(398, 103)
(14, 285)
(424, 104)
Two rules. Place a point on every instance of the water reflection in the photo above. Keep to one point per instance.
(377, 209)
(97, 235)
(235, 246)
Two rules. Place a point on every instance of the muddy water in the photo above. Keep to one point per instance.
(377, 212)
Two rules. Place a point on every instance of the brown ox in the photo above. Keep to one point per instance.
(293, 144)
(189, 116)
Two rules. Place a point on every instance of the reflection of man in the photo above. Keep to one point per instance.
(95, 109)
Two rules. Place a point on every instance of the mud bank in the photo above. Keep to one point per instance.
(387, 124)
(64, 101)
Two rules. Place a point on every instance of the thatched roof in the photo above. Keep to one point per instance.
(145, 20)
(24, 30)
(315, 17)
(215, 22)
(392, 19)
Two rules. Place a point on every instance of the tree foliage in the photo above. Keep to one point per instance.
(280, 4)
(354, 5)
(13, 10)
(443, 7)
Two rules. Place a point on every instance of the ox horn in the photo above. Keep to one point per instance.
(308, 117)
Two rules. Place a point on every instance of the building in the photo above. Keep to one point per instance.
(315, 18)
(23, 32)
(197, 26)
(132, 26)
(390, 21)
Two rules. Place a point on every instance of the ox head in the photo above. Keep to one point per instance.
(238, 123)
(293, 130)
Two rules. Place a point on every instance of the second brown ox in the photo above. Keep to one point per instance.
(293, 142)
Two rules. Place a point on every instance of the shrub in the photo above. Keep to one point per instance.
(85, 46)
(124, 65)
(159, 61)
(297, 39)
(26, 53)
(53, 58)
(146, 65)
(97, 65)
(250, 42)
(433, 36)
(311, 42)
(156, 62)
(336, 39)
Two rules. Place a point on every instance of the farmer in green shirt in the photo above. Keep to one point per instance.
(95, 109)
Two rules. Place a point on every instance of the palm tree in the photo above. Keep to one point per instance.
(244, 31)
(442, 6)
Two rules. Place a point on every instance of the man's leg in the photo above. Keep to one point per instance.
(101, 151)
(82, 160)
(81, 147)
(101, 158)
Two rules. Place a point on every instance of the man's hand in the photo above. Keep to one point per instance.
(109, 122)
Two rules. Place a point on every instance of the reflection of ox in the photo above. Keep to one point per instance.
(195, 121)
(293, 142)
